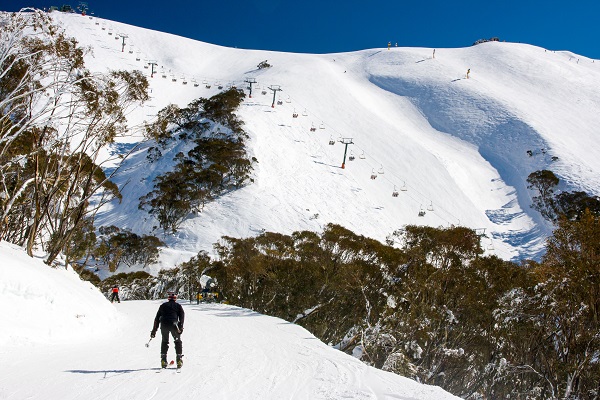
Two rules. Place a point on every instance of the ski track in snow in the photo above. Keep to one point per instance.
(230, 353)
(457, 144)
(68, 342)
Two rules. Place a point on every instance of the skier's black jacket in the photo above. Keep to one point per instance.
(169, 312)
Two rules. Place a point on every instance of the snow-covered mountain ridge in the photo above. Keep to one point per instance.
(459, 146)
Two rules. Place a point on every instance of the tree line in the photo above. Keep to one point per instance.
(216, 163)
(429, 306)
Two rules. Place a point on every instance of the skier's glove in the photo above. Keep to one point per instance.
(152, 334)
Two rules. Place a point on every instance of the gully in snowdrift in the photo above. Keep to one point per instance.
(170, 316)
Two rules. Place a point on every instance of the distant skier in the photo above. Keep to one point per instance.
(468, 72)
(170, 316)
(115, 294)
(389, 45)
(433, 53)
(209, 286)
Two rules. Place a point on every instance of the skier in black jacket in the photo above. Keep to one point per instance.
(170, 316)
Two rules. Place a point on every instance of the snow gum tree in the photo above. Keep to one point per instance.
(55, 117)
(569, 299)
(216, 163)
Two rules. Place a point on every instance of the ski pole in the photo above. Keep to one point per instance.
(148, 344)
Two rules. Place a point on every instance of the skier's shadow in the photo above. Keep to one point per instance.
(110, 371)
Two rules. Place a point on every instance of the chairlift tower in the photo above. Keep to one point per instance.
(123, 36)
(345, 141)
(152, 63)
(250, 82)
(275, 89)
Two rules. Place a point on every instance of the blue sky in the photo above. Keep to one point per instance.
(325, 26)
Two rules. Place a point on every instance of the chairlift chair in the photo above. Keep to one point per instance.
(173, 79)
(331, 141)
(279, 102)
(130, 49)
(491, 245)
(305, 113)
(109, 31)
(351, 158)
(294, 114)
(288, 100)
(116, 37)
(430, 206)
(403, 188)
(380, 170)
(362, 156)
(208, 86)
(196, 84)
(373, 174)
(184, 81)
(421, 212)
(312, 128)
(219, 86)
(146, 66)
(322, 126)
(395, 192)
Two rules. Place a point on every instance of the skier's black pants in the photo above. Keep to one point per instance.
(166, 329)
(114, 296)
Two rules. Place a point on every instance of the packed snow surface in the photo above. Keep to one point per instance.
(63, 340)
(458, 146)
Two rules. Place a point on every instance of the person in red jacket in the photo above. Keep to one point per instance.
(170, 317)
(115, 294)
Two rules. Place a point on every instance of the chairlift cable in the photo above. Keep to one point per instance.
(368, 159)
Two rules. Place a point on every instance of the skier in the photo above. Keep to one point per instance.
(170, 316)
(115, 294)
(468, 72)
(389, 45)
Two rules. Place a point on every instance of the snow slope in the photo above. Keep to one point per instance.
(63, 340)
(458, 145)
